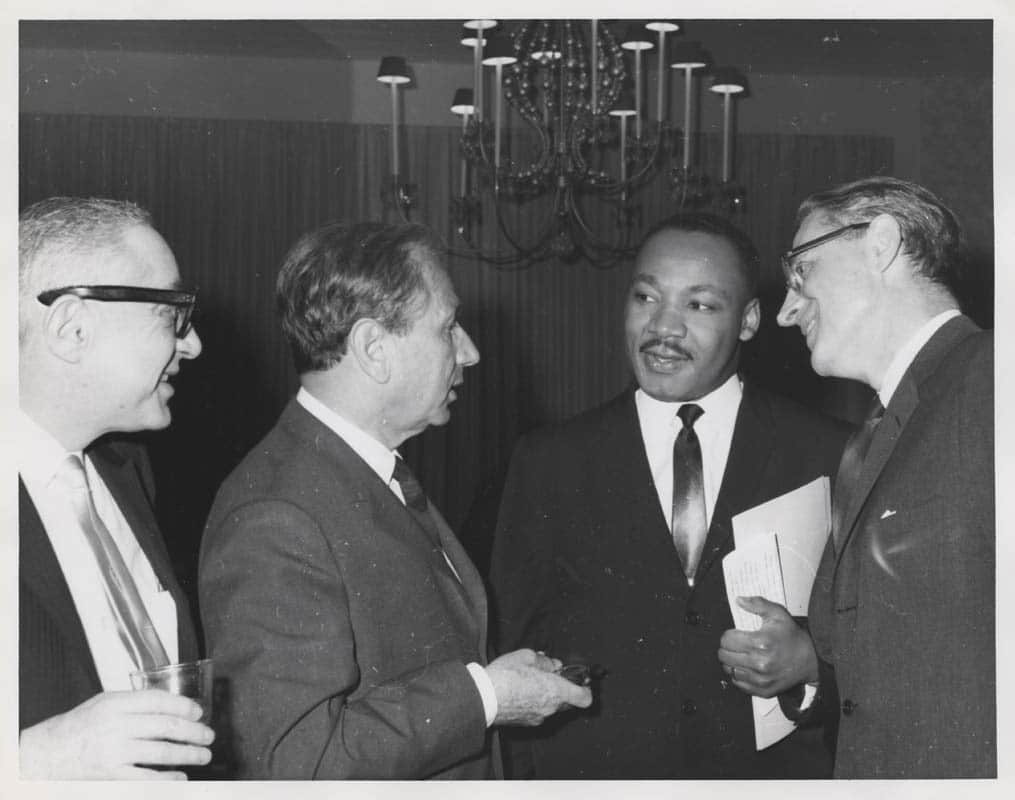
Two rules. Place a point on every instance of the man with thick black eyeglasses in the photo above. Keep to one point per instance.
(901, 647)
(102, 329)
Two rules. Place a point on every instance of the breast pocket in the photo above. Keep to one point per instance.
(899, 538)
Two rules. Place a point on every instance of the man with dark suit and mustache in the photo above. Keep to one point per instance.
(614, 524)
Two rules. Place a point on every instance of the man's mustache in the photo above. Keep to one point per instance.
(671, 345)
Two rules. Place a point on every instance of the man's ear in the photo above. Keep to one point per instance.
(750, 320)
(884, 241)
(68, 326)
(369, 344)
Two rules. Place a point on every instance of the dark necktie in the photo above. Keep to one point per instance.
(850, 467)
(416, 502)
(413, 493)
(134, 626)
(689, 527)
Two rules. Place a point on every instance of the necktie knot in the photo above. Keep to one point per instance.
(689, 413)
(413, 493)
(72, 473)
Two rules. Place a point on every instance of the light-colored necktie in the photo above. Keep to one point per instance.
(689, 525)
(134, 626)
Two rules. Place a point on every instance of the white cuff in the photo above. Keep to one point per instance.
(486, 692)
(810, 689)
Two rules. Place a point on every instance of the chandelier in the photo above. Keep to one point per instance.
(589, 135)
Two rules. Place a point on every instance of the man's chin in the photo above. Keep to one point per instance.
(443, 418)
(667, 394)
(664, 388)
(158, 417)
(820, 365)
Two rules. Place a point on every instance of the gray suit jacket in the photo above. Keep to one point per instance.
(341, 630)
(902, 612)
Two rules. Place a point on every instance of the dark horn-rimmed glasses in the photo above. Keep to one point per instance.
(181, 301)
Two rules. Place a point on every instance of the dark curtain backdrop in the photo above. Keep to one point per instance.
(231, 196)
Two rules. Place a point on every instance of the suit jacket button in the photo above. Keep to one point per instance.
(692, 618)
(688, 707)
(848, 706)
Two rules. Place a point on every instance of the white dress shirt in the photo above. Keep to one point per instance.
(40, 458)
(659, 428)
(904, 357)
(382, 461)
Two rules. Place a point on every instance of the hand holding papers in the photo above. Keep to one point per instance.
(753, 570)
(778, 549)
(800, 521)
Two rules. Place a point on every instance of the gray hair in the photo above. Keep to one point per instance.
(931, 234)
(51, 230)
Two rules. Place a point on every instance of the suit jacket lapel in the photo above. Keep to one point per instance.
(320, 438)
(900, 408)
(39, 571)
(628, 473)
(468, 586)
(124, 483)
(750, 450)
(467, 597)
(137, 506)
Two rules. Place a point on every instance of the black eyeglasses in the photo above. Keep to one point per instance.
(793, 271)
(182, 302)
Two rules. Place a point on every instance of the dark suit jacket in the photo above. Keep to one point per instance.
(902, 612)
(56, 667)
(584, 566)
(342, 631)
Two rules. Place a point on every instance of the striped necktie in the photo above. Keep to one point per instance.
(134, 626)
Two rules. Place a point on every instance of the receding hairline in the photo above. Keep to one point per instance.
(739, 266)
(430, 262)
(121, 259)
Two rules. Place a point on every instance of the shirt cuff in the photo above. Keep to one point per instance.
(810, 690)
(486, 692)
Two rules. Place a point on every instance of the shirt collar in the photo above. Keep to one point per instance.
(40, 456)
(378, 457)
(720, 404)
(907, 353)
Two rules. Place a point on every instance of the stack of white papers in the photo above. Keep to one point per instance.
(778, 549)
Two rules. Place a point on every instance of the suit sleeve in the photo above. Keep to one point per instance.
(278, 624)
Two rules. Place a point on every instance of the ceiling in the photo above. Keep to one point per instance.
(876, 47)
